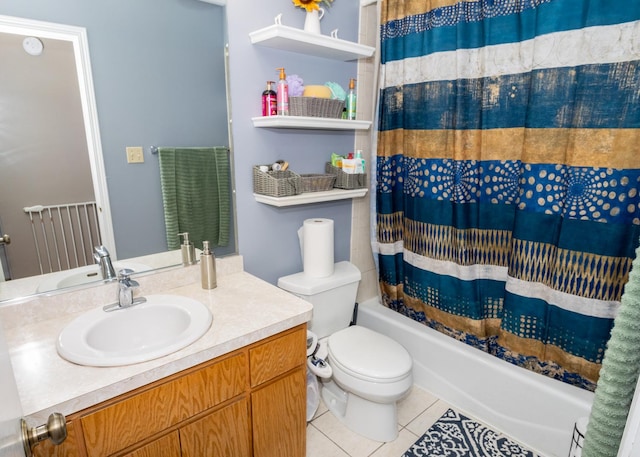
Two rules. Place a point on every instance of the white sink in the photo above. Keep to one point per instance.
(83, 275)
(161, 326)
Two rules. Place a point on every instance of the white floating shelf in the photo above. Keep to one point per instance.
(296, 40)
(311, 197)
(306, 122)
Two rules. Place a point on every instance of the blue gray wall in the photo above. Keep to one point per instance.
(153, 66)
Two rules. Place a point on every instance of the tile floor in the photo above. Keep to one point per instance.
(327, 437)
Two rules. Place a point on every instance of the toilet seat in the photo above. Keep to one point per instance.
(369, 356)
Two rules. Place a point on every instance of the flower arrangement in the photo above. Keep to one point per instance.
(311, 5)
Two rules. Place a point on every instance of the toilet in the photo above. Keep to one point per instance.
(366, 372)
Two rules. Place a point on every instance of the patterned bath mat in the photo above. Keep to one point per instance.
(455, 435)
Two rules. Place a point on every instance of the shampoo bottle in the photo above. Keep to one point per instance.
(208, 267)
(351, 100)
(282, 97)
(269, 103)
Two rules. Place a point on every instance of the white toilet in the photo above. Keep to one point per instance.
(369, 372)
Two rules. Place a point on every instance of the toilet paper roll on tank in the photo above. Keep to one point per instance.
(316, 247)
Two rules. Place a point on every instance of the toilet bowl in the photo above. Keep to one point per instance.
(369, 372)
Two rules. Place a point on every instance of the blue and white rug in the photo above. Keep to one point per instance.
(455, 435)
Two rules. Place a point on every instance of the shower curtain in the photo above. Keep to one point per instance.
(508, 173)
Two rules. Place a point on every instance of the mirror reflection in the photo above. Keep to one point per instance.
(175, 96)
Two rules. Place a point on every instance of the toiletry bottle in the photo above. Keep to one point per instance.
(188, 251)
(269, 103)
(359, 162)
(282, 96)
(351, 100)
(208, 267)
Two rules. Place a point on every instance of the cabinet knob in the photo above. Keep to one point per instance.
(55, 429)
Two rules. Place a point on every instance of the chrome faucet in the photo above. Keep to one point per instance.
(103, 258)
(125, 292)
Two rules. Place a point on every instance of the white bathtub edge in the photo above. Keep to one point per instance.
(535, 410)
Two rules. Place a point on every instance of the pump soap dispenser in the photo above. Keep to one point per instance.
(282, 94)
(188, 251)
(208, 267)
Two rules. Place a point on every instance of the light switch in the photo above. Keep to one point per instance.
(135, 154)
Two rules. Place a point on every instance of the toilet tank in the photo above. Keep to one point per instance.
(332, 297)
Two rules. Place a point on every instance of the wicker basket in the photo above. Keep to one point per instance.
(276, 183)
(317, 182)
(347, 180)
(315, 107)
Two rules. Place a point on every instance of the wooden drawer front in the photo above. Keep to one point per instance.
(133, 419)
(223, 433)
(279, 417)
(69, 448)
(278, 356)
(167, 446)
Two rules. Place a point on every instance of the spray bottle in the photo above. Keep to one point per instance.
(269, 103)
(282, 94)
(351, 100)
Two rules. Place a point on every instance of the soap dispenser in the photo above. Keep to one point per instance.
(208, 267)
(188, 251)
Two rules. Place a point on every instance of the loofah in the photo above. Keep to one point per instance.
(337, 92)
(618, 375)
(296, 85)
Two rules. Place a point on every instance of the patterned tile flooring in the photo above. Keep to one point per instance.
(327, 437)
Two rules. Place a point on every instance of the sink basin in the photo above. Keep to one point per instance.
(161, 326)
(83, 275)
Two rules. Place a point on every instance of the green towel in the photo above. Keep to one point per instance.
(196, 194)
(618, 375)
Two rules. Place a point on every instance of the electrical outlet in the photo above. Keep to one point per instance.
(135, 154)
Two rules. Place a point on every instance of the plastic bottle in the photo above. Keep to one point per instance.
(208, 267)
(269, 102)
(282, 97)
(351, 100)
(359, 162)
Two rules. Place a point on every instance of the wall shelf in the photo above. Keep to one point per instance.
(311, 197)
(305, 122)
(297, 40)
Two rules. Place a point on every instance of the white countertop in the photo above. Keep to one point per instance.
(245, 310)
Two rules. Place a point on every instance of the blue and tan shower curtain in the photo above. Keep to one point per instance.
(508, 173)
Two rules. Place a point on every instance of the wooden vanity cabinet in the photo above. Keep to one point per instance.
(251, 402)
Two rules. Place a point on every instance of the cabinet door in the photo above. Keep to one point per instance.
(167, 446)
(68, 448)
(223, 433)
(279, 417)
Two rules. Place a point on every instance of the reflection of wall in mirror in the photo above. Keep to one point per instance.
(44, 159)
(158, 78)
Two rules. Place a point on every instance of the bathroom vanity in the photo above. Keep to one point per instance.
(240, 390)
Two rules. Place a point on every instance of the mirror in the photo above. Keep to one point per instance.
(128, 192)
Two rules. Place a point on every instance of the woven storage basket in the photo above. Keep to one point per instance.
(315, 107)
(276, 183)
(317, 182)
(347, 180)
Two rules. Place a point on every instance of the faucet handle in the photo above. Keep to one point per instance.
(124, 274)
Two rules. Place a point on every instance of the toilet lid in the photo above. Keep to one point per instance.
(368, 355)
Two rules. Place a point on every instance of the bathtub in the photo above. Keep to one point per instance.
(537, 411)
